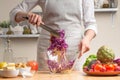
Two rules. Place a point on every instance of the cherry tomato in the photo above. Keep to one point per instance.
(99, 68)
(33, 65)
(117, 67)
(91, 70)
(110, 67)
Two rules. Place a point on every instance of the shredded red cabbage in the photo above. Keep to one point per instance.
(58, 68)
(58, 44)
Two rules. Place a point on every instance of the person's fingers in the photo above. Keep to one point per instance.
(81, 51)
(35, 19)
(30, 18)
(39, 20)
(80, 54)
(87, 49)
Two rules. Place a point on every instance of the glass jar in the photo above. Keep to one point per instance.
(98, 4)
(8, 52)
(113, 3)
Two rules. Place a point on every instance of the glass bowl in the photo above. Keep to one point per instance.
(60, 63)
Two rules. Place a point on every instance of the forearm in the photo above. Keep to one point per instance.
(19, 16)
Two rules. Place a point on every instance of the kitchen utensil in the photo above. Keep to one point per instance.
(53, 32)
(76, 60)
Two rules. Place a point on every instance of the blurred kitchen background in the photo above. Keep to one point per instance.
(108, 20)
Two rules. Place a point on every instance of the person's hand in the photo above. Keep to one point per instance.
(34, 19)
(84, 46)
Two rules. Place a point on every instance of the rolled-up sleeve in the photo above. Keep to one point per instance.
(25, 6)
(88, 15)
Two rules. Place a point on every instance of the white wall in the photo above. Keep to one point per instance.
(107, 34)
(22, 47)
(6, 6)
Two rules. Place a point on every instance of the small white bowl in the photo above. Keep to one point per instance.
(26, 69)
(18, 32)
(9, 73)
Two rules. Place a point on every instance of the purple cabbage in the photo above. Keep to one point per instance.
(117, 61)
(59, 67)
(58, 43)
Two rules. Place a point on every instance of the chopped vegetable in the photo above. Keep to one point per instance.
(99, 68)
(58, 44)
(109, 67)
(59, 67)
(89, 59)
(90, 65)
(117, 61)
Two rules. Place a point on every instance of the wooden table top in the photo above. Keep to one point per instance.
(75, 75)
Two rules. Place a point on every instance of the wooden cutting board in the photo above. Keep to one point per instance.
(75, 75)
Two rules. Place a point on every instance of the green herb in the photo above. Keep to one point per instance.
(5, 24)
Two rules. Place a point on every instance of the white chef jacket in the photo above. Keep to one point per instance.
(61, 14)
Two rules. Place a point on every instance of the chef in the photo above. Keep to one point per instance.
(75, 17)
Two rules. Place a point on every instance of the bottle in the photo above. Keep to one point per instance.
(8, 53)
(112, 3)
